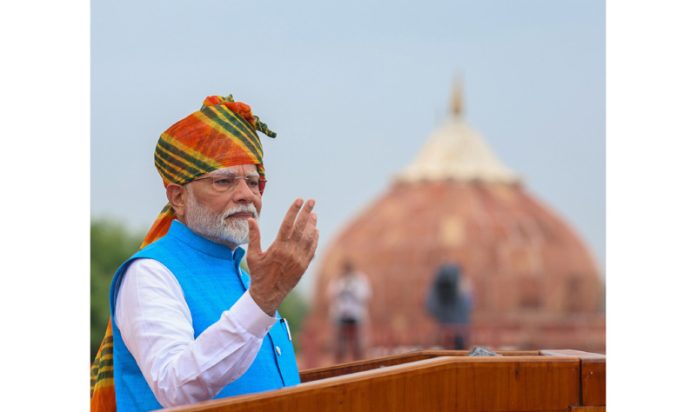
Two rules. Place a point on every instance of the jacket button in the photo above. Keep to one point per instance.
(278, 350)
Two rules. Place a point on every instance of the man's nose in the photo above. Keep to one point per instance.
(242, 192)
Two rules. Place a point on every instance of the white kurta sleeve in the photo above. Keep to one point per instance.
(156, 327)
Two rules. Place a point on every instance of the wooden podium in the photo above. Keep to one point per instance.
(545, 380)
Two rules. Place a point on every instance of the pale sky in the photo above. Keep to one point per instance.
(353, 90)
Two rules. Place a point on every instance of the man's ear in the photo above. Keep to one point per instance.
(176, 195)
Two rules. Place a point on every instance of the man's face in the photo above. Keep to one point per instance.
(222, 216)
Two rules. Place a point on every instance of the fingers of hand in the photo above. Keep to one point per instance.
(310, 231)
(288, 223)
(301, 248)
(314, 241)
(307, 246)
(254, 236)
(297, 239)
(305, 216)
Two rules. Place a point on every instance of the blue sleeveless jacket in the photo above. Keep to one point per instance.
(212, 281)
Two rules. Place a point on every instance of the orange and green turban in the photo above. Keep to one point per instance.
(221, 134)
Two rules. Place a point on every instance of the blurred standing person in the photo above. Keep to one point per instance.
(450, 302)
(349, 294)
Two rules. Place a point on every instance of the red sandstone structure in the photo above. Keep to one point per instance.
(535, 285)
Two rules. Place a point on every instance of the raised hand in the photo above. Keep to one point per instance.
(276, 271)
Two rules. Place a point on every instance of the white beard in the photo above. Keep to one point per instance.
(215, 226)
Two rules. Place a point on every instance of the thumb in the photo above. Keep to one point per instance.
(254, 237)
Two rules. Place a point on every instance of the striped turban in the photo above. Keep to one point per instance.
(221, 134)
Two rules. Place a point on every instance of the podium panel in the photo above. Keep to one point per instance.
(438, 381)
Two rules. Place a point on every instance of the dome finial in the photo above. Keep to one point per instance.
(456, 152)
(457, 102)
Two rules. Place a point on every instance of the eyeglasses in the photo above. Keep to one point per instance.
(225, 183)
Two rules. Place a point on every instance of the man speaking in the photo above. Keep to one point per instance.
(189, 324)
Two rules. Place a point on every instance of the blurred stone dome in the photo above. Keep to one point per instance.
(534, 283)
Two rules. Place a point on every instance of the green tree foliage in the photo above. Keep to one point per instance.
(110, 244)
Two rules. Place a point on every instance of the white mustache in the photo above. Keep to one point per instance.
(249, 208)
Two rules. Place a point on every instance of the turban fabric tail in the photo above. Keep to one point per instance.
(221, 134)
